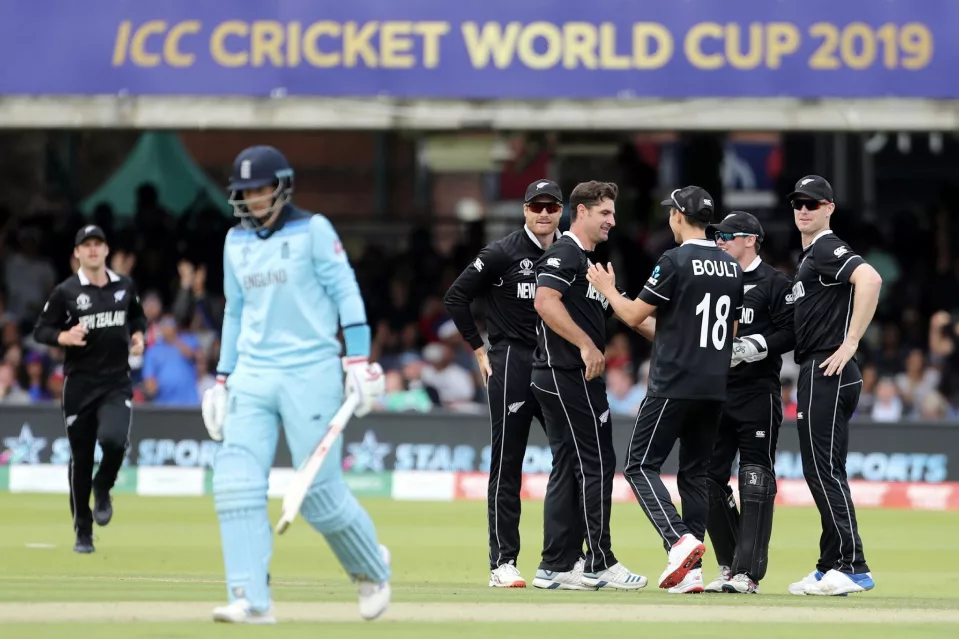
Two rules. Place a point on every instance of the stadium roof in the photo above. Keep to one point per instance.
(750, 114)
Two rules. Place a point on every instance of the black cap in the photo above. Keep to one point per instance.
(544, 187)
(737, 222)
(813, 186)
(692, 201)
(89, 231)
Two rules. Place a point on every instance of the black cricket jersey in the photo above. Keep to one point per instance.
(823, 295)
(697, 289)
(503, 274)
(563, 267)
(111, 314)
(767, 313)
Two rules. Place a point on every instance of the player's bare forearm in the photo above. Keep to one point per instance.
(633, 313)
(647, 329)
(550, 307)
(868, 283)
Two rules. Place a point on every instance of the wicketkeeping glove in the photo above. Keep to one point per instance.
(213, 408)
(365, 380)
(750, 348)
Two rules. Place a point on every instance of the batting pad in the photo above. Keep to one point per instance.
(332, 510)
(239, 494)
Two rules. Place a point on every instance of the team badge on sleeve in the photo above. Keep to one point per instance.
(654, 278)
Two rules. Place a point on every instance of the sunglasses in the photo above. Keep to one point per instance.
(729, 237)
(811, 205)
(549, 207)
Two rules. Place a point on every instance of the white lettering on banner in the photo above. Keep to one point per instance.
(904, 467)
(715, 268)
(898, 467)
(747, 316)
(538, 459)
(184, 452)
(426, 457)
(526, 291)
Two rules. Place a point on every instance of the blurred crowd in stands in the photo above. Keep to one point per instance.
(910, 358)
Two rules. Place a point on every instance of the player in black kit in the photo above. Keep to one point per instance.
(567, 368)
(696, 293)
(752, 414)
(836, 293)
(96, 316)
(503, 274)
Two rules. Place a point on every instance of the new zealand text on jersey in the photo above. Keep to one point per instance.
(593, 294)
(107, 319)
(526, 290)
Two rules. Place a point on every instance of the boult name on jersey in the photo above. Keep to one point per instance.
(715, 268)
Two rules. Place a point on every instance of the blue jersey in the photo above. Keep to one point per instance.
(286, 295)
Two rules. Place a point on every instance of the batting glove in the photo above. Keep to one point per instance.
(751, 348)
(213, 408)
(365, 380)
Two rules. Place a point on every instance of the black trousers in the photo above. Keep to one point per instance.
(659, 424)
(95, 410)
(580, 489)
(825, 406)
(512, 407)
(749, 425)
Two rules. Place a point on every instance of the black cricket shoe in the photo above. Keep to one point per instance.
(102, 507)
(84, 544)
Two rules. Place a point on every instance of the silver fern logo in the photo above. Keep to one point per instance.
(604, 417)
(515, 406)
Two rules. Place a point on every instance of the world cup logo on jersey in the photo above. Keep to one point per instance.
(526, 267)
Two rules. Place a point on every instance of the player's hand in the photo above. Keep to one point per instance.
(603, 280)
(136, 344)
(482, 359)
(838, 360)
(747, 349)
(365, 380)
(595, 361)
(76, 336)
(213, 408)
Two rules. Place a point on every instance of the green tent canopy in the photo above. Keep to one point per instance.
(160, 159)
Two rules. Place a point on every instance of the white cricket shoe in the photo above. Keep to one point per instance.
(568, 580)
(835, 583)
(716, 585)
(741, 584)
(240, 611)
(799, 587)
(617, 577)
(682, 556)
(692, 583)
(506, 576)
(375, 596)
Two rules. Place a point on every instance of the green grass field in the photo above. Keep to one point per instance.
(158, 571)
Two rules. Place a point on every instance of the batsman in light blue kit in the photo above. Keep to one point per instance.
(289, 289)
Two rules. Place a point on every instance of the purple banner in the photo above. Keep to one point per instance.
(483, 49)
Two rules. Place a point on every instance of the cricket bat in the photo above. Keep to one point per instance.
(303, 478)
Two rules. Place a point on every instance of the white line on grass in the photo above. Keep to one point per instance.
(158, 611)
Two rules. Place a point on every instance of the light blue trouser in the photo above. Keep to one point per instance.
(304, 399)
